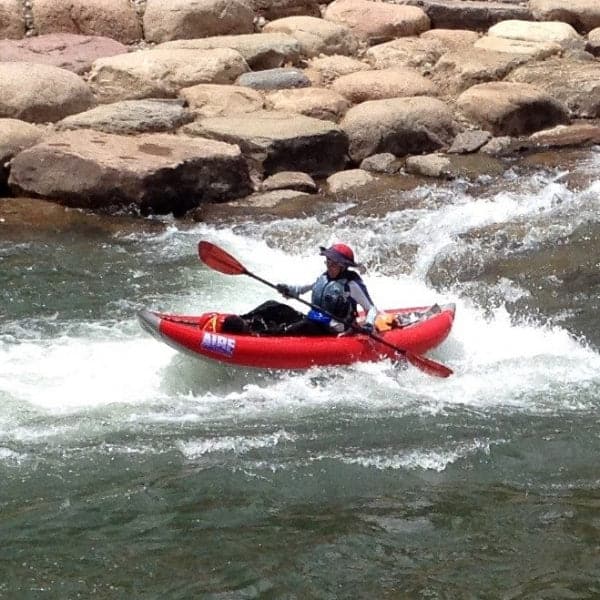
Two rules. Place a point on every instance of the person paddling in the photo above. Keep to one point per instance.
(336, 294)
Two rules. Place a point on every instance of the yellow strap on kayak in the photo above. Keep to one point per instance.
(211, 324)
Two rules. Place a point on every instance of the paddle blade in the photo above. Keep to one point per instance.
(427, 365)
(216, 258)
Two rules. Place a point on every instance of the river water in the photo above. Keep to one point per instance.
(127, 469)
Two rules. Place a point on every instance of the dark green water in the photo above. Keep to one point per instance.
(130, 471)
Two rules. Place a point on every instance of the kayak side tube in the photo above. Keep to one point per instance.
(188, 334)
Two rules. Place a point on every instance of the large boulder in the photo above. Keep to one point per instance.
(12, 23)
(275, 79)
(157, 173)
(329, 68)
(188, 19)
(474, 15)
(377, 22)
(584, 15)
(530, 49)
(319, 103)
(116, 19)
(417, 52)
(131, 116)
(578, 134)
(398, 125)
(214, 100)
(260, 50)
(15, 136)
(162, 73)
(316, 36)
(451, 39)
(64, 50)
(456, 71)
(41, 93)
(593, 42)
(514, 109)
(554, 32)
(384, 83)
(575, 83)
(279, 9)
(277, 141)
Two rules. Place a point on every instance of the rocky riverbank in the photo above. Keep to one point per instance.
(200, 108)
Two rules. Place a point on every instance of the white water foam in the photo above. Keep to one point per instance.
(67, 373)
(497, 363)
(235, 444)
(433, 459)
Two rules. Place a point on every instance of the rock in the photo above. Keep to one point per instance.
(384, 83)
(185, 19)
(533, 50)
(269, 199)
(457, 71)
(578, 134)
(274, 79)
(318, 103)
(465, 166)
(469, 141)
(451, 39)
(12, 23)
(574, 83)
(553, 32)
(381, 163)
(131, 116)
(431, 165)
(41, 93)
(593, 44)
(162, 73)
(316, 36)
(474, 15)
(279, 141)
(584, 15)
(115, 19)
(64, 50)
(260, 50)
(501, 146)
(511, 108)
(416, 52)
(158, 173)
(213, 100)
(346, 180)
(377, 22)
(290, 180)
(15, 136)
(279, 9)
(400, 126)
(332, 67)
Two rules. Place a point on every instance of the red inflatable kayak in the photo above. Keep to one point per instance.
(420, 330)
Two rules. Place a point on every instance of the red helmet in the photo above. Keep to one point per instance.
(340, 254)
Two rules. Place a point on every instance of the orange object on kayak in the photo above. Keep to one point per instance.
(426, 328)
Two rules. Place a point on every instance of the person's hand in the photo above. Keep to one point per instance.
(337, 327)
(345, 333)
(284, 290)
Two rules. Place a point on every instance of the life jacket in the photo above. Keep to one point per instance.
(333, 297)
